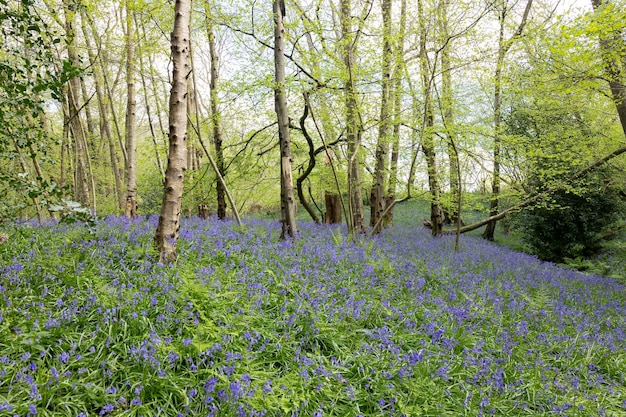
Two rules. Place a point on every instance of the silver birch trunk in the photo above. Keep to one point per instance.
(166, 234)
(130, 209)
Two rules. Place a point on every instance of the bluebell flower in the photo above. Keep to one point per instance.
(236, 389)
(210, 384)
(108, 408)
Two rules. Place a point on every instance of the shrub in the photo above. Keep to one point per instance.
(574, 222)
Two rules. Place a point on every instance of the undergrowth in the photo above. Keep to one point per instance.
(247, 325)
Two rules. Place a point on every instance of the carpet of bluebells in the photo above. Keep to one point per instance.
(247, 325)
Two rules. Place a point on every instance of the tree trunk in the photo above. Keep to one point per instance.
(287, 201)
(497, 140)
(131, 119)
(144, 84)
(81, 191)
(105, 126)
(300, 180)
(353, 125)
(333, 208)
(24, 167)
(448, 118)
(428, 143)
(216, 119)
(503, 48)
(109, 102)
(193, 125)
(396, 85)
(614, 55)
(415, 139)
(377, 195)
(91, 130)
(65, 140)
(166, 234)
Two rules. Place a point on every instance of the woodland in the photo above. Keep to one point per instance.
(313, 208)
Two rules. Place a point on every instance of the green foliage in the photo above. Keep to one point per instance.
(31, 77)
(573, 223)
(72, 212)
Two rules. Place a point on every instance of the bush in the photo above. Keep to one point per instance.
(573, 224)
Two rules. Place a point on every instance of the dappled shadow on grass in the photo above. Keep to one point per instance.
(245, 324)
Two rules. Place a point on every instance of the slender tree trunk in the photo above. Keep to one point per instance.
(312, 162)
(157, 97)
(503, 48)
(25, 171)
(91, 127)
(377, 195)
(144, 84)
(415, 139)
(216, 119)
(166, 234)
(102, 60)
(63, 163)
(131, 119)
(105, 125)
(76, 127)
(193, 123)
(448, 117)
(202, 208)
(287, 201)
(91, 130)
(353, 126)
(396, 85)
(65, 139)
(428, 143)
(497, 139)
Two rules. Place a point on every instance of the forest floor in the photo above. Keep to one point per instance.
(327, 325)
(610, 262)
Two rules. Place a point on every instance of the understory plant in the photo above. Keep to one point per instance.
(244, 324)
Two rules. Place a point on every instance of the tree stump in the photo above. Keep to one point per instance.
(333, 208)
(203, 211)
